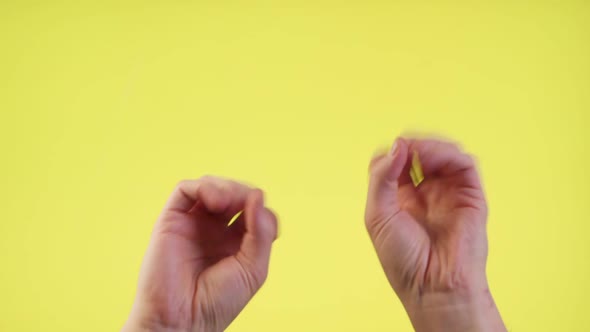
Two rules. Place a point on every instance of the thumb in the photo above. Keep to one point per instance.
(385, 171)
(261, 231)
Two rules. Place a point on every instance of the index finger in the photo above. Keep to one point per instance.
(440, 158)
(216, 195)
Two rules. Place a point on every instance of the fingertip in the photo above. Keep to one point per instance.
(394, 146)
(387, 167)
(266, 229)
(278, 227)
(261, 230)
(398, 143)
(258, 197)
(275, 225)
(250, 206)
(256, 212)
(400, 156)
(401, 147)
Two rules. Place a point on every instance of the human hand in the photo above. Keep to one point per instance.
(431, 240)
(199, 273)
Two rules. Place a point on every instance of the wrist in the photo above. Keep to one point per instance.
(138, 324)
(458, 310)
(142, 322)
(132, 326)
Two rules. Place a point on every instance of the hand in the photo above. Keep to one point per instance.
(198, 272)
(431, 240)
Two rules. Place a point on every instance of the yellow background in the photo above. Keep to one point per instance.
(106, 105)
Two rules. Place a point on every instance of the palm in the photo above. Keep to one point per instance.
(201, 240)
(444, 210)
(441, 201)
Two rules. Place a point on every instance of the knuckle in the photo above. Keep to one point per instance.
(182, 183)
(374, 162)
(470, 159)
(206, 178)
(368, 216)
(271, 215)
(259, 277)
(211, 185)
(454, 145)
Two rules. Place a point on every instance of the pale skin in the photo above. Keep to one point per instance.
(199, 273)
(431, 239)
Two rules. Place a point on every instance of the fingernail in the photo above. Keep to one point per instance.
(394, 148)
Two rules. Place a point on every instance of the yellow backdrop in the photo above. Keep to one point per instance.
(105, 105)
